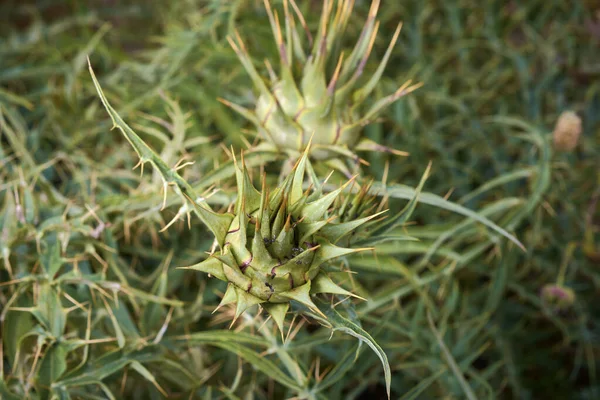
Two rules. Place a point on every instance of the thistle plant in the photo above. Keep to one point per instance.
(94, 302)
(272, 248)
(274, 245)
(319, 88)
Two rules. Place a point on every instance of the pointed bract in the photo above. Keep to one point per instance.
(229, 297)
(323, 284)
(334, 232)
(212, 266)
(277, 312)
(301, 294)
(244, 301)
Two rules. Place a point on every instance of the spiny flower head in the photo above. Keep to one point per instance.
(277, 243)
(318, 89)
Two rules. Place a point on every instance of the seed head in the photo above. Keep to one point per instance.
(567, 131)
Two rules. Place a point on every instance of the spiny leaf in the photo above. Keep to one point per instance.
(51, 260)
(364, 92)
(52, 366)
(137, 366)
(217, 223)
(49, 310)
(247, 191)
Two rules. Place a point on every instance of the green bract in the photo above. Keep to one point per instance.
(277, 244)
(318, 89)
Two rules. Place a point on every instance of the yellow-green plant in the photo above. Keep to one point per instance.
(92, 304)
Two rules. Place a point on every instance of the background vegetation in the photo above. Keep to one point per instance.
(92, 305)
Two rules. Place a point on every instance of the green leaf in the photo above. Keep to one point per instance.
(14, 327)
(60, 394)
(403, 216)
(154, 313)
(5, 394)
(408, 193)
(15, 99)
(451, 362)
(115, 323)
(339, 371)
(498, 181)
(52, 365)
(108, 365)
(260, 362)
(49, 310)
(217, 223)
(125, 321)
(415, 392)
(148, 375)
(489, 209)
(149, 297)
(342, 324)
(233, 342)
(51, 260)
(224, 336)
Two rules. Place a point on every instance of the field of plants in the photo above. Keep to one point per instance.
(299, 199)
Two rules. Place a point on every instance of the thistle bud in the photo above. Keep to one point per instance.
(567, 131)
(318, 89)
(557, 297)
(274, 245)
